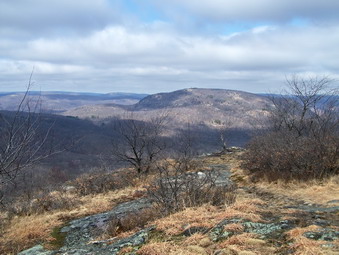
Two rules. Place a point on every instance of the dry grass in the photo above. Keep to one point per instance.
(204, 216)
(197, 239)
(305, 246)
(246, 209)
(234, 227)
(314, 191)
(318, 192)
(24, 231)
(248, 206)
(242, 244)
(241, 239)
(169, 248)
(129, 224)
(208, 216)
(247, 243)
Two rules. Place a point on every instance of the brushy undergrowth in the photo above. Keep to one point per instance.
(282, 156)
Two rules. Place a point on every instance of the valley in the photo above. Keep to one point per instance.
(168, 174)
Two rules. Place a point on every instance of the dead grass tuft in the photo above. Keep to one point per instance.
(130, 223)
(24, 231)
(247, 243)
(194, 239)
(174, 224)
(303, 245)
(234, 227)
(237, 239)
(306, 246)
(326, 190)
(126, 250)
(248, 206)
(170, 248)
(208, 216)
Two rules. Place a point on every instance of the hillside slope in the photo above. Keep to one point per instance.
(208, 112)
(255, 218)
(211, 107)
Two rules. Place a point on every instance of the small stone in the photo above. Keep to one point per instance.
(312, 235)
(320, 222)
(318, 217)
(205, 242)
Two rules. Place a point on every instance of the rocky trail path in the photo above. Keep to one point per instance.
(302, 215)
(280, 214)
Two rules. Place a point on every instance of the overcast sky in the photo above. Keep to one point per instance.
(151, 46)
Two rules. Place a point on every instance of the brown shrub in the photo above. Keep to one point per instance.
(302, 141)
(280, 155)
(176, 189)
(94, 183)
(43, 202)
(131, 221)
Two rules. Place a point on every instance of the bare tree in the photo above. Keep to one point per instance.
(225, 133)
(177, 188)
(138, 143)
(185, 148)
(306, 106)
(21, 140)
(303, 140)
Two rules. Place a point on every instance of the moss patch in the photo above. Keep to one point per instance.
(59, 238)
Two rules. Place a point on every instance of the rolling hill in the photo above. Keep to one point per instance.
(210, 107)
(209, 112)
(55, 102)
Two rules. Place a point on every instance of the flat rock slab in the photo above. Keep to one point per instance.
(325, 234)
(264, 230)
(37, 250)
(315, 208)
(81, 232)
(107, 248)
(86, 229)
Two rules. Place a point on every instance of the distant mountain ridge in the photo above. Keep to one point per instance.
(59, 101)
(220, 98)
(207, 113)
(213, 108)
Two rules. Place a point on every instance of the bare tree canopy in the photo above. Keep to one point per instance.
(21, 140)
(138, 143)
(307, 103)
(303, 140)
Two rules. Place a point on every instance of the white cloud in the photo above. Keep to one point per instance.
(259, 10)
(20, 19)
(153, 55)
(94, 50)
